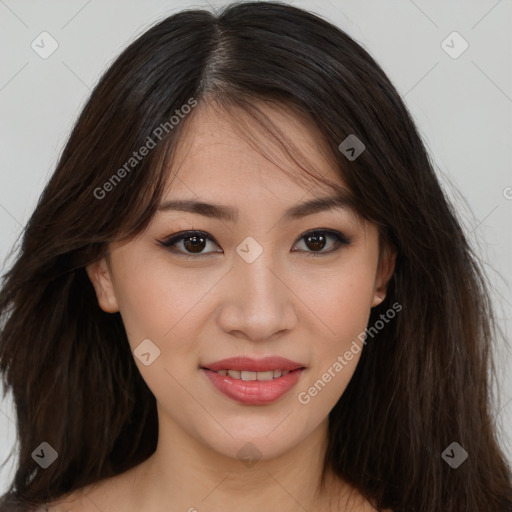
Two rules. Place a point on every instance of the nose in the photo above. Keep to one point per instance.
(257, 302)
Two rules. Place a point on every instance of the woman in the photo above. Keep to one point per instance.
(187, 327)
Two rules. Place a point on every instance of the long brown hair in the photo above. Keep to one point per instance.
(422, 383)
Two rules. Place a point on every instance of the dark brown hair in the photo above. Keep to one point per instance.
(422, 383)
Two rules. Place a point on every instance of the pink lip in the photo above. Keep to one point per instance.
(253, 365)
(253, 392)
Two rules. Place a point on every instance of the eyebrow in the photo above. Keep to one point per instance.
(230, 214)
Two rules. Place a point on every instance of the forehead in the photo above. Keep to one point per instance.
(229, 154)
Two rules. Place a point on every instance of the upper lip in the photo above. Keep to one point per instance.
(253, 365)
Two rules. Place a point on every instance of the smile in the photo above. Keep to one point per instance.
(253, 381)
(248, 375)
(253, 388)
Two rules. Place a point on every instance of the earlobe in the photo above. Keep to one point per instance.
(99, 275)
(377, 299)
(384, 273)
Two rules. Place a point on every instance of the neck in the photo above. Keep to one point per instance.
(191, 476)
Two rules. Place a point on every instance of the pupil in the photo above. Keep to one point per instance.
(197, 243)
(319, 244)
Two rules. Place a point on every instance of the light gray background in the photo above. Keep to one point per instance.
(462, 106)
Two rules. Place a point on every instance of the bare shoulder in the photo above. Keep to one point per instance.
(352, 499)
(73, 502)
(106, 495)
(361, 504)
(368, 507)
(356, 502)
(110, 494)
(81, 500)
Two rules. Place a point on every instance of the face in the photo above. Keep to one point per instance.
(254, 286)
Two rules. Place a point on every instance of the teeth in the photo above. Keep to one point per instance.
(265, 375)
(261, 376)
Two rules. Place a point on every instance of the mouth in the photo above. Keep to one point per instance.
(251, 376)
(252, 381)
(250, 364)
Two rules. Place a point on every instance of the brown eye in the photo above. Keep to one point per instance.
(315, 241)
(194, 243)
(189, 243)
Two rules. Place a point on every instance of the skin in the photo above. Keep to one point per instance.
(286, 302)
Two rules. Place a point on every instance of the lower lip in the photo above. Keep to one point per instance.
(253, 392)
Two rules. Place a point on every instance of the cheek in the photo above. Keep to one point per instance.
(343, 305)
(142, 300)
(342, 300)
(154, 297)
(167, 305)
(161, 304)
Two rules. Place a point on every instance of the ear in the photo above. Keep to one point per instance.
(386, 267)
(100, 277)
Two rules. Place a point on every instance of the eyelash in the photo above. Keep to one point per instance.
(169, 242)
